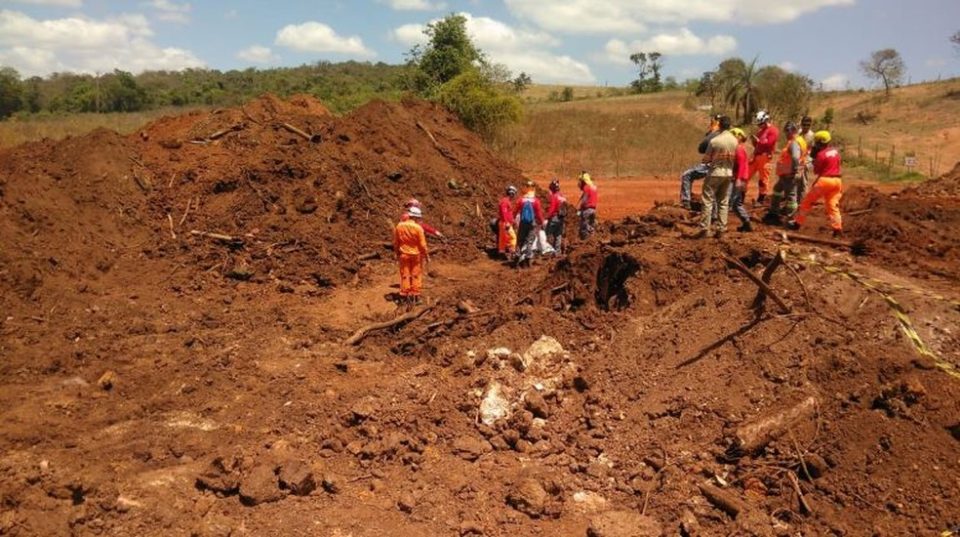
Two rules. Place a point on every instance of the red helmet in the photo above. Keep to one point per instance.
(412, 202)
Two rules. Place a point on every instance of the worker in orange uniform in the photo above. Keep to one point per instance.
(587, 207)
(826, 166)
(410, 245)
(506, 234)
(764, 143)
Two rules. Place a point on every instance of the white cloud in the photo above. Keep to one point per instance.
(170, 11)
(81, 44)
(257, 54)
(835, 82)
(414, 5)
(935, 62)
(521, 50)
(315, 36)
(788, 66)
(632, 16)
(682, 43)
(60, 3)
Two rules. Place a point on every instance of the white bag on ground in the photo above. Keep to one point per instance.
(543, 246)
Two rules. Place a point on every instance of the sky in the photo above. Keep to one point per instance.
(576, 42)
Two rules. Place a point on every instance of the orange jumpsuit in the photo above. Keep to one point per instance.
(762, 154)
(828, 187)
(410, 245)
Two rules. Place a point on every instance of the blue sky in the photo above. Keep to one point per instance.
(555, 41)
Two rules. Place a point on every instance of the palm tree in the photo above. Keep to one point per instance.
(740, 82)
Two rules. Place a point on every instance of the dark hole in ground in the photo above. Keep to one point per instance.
(612, 277)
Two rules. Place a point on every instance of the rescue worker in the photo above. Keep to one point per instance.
(528, 213)
(741, 175)
(506, 234)
(827, 167)
(700, 170)
(410, 246)
(556, 217)
(805, 136)
(790, 166)
(428, 230)
(764, 143)
(720, 156)
(587, 206)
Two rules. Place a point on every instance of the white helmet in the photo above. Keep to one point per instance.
(415, 212)
(762, 117)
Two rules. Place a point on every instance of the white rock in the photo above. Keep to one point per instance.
(589, 502)
(499, 353)
(494, 406)
(542, 349)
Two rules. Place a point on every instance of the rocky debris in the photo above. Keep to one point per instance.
(471, 448)
(494, 406)
(545, 348)
(332, 483)
(260, 485)
(297, 477)
(221, 476)
(107, 380)
(529, 497)
(689, 525)
(364, 409)
(623, 524)
(587, 501)
(535, 403)
(406, 502)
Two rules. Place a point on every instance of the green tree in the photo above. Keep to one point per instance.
(480, 103)
(521, 83)
(649, 65)
(448, 53)
(787, 95)
(738, 80)
(567, 94)
(886, 66)
(121, 93)
(11, 91)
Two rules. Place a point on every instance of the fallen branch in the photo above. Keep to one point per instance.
(312, 138)
(232, 241)
(860, 212)
(723, 500)
(364, 331)
(369, 256)
(804, 506)
(718, 343)
(760, 283)
(226, 131)
(754, 436)
(143, 183)
(429, 135)
(185, 213)
(173, 235)
(768, 271)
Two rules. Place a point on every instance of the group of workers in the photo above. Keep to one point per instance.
(522, 229)
(726, 171)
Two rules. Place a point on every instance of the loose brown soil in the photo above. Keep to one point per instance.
(158, 381)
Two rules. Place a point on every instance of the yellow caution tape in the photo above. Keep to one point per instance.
(899, 312)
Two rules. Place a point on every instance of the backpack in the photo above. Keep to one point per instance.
(527, 214)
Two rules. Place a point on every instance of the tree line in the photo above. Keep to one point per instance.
(341, 86)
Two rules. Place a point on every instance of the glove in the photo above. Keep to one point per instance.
(578, 213)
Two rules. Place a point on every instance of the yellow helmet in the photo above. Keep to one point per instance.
(822, 136)
(738, 132)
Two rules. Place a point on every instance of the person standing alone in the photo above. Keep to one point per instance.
(410, 247)
(587, 208)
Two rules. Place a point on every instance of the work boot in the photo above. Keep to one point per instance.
(702, 234)
(686, 205)
(719, 235)
(745, 227)
(793, 225)
(771, 219)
